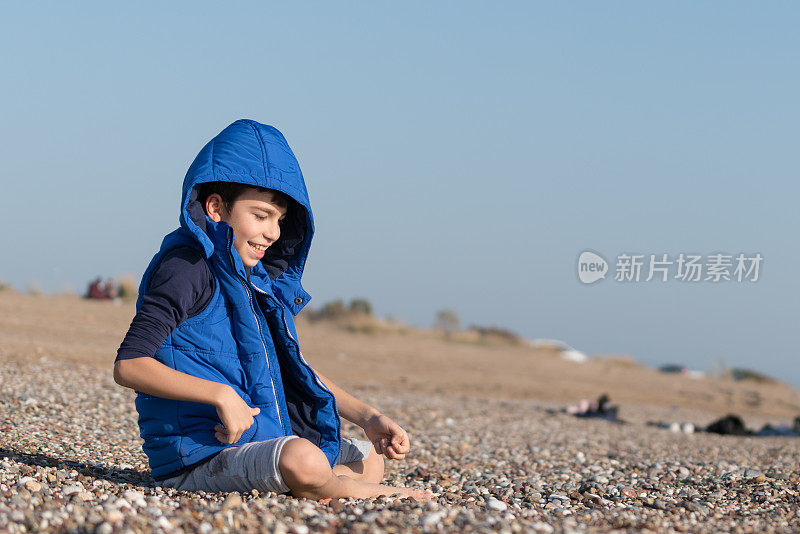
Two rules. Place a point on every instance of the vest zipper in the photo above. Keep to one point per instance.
(261, 337)
(316, 378)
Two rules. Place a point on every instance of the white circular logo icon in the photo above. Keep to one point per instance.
(591, 267)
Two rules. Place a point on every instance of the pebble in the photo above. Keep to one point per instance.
(495, 504)
(154, 511)
(115, 515)
(33, 485)
(71, 490)
(433, 518)
(233, 500)
(135, 498)
(164, 523)
(122, 503)
(336, 505)
(695, 507)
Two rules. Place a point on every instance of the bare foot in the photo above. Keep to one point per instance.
(343, 486)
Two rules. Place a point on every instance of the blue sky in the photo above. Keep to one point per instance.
(457, 154)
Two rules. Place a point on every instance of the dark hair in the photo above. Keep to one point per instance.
(230, 191)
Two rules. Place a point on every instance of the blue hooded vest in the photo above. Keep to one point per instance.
(245, 337)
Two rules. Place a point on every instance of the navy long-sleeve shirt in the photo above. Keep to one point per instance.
(179, 288)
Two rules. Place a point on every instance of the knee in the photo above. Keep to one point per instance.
(303, 464)
(374, 465)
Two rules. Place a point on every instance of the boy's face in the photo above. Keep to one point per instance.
(255, 220)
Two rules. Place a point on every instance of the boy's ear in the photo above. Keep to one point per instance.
(215, 209)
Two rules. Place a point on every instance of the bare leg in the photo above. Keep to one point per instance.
(306, 472)
(368, 470)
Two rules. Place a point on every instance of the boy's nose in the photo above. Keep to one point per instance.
(273, 233)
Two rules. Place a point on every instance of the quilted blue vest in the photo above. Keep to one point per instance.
(245, 337)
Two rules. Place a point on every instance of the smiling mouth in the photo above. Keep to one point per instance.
(258, 248)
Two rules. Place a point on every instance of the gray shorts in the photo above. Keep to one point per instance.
(251, 466)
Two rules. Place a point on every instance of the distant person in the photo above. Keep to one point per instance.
(97, 290)
(111, 288)
(226, 401)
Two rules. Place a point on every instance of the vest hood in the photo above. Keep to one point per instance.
(256, 154)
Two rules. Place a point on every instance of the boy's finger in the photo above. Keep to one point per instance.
(404, 447)
(394, 454)
(400, 444)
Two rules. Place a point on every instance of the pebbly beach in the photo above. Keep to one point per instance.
(495, 458)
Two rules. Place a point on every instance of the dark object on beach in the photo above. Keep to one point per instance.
(781, 430)
(96, 289)
(600, 409)
(672, 368)
(730, 425)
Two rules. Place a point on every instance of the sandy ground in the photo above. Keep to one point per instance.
(67, 327)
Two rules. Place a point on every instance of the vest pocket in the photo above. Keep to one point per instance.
(197, 422)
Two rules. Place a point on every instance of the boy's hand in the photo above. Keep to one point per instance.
(387, 437)
(236, 417)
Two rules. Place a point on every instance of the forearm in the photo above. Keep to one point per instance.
(349, 407)
(152, 377)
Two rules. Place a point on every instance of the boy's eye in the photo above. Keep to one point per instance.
(261, 217)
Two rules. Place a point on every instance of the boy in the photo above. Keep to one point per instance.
(226, 400)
